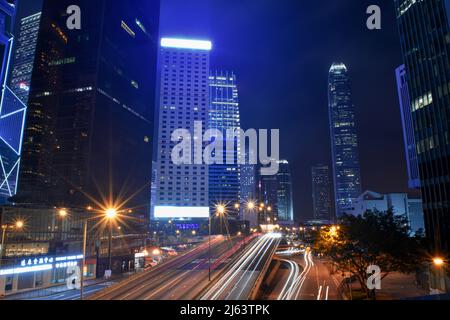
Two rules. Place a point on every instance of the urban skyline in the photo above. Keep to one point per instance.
(251, 117)
(110, 115)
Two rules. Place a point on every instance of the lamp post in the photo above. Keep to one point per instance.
(439, 274)
(110, 215)
(83, 264)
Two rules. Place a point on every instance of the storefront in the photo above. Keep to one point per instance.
(42, 272)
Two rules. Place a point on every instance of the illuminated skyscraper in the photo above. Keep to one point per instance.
(12, 110)
(321, 193)
(182, 190)
(424, 28)
(284, 205)
(89, 131)
(344, 139)
(22, 67)
(224, 179)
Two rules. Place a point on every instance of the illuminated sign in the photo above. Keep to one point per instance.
(42, 264)
(187, 226)
(163, 212)
(186, 44)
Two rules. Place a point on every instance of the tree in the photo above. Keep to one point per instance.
(375, 238)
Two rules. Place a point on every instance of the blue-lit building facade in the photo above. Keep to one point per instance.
(424, 28)
(408, 128)
(181, 189)
(224, 179)
(344, 139)
(24, 53)
(12, 110)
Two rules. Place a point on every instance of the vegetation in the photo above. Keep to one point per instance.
(375, 238)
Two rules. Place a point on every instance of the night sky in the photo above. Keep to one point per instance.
(281, 51)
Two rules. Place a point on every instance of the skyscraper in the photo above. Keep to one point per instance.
(285, 205)
(344, 139)
(89, 132)
(22, 67)
(224, 179)
(12, 110)
(182, 190)
(321, 193)
(424, 31)
(408, 129)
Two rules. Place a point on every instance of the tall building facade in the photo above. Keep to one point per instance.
(424, 31)
(183, 102)
(89, 132)
(344, 139)
(285, 201)
(224, 179)
(408, 128)
(25, 48)
(12, 110)
(321, 188)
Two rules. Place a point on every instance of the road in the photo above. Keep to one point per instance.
(75, 294)
(306, 279)
(179, 279)
(240, 278)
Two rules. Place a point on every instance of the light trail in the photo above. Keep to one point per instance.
(293, 288)
(293, 275)
(221, 285)
(240, 273)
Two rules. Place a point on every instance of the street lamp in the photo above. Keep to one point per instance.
(62, 213)
(251, 205)
(110, 214)
(438, 262)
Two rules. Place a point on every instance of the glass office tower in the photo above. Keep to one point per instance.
(89, 132)
(424, 32)
(285, 204)
(321, 193)
(224, 179)
(344, 139)
(12, 110)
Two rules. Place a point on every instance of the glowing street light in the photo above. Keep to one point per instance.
(19, 224)
(251, 205)
(111, 213)
(438, 262)
(221, 209)
(62, 213)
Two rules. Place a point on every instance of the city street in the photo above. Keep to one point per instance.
(179, 279)
(304, 278)
(239, 280)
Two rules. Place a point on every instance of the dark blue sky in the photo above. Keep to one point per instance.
(281, 51)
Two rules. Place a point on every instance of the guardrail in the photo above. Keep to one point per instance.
(254, 292)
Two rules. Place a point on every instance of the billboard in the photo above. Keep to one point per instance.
(167, 212)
